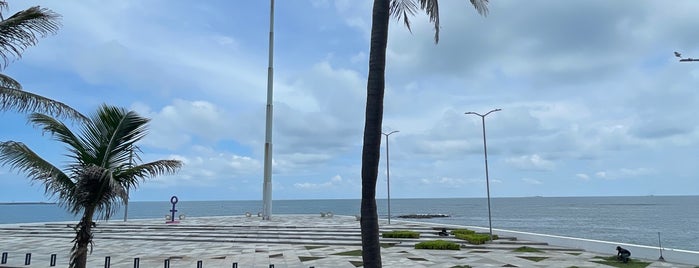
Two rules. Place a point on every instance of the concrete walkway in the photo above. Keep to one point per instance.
(286, 241)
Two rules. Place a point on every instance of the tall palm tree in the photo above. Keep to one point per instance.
(98, 171)
(17, 33)
(382, 11)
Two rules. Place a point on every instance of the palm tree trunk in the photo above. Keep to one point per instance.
(83, 239)
(371, 251)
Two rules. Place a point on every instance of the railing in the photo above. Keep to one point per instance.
(107, 261)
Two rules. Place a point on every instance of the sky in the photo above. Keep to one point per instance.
(594, 103)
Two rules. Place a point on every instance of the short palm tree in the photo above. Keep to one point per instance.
(18, 32)
(99, 169)
(381, 13)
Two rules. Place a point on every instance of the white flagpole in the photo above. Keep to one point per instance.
(267, 187)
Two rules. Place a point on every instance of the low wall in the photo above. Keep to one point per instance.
(602, 247)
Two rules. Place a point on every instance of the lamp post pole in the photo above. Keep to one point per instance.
(487, 180)
(388, 176)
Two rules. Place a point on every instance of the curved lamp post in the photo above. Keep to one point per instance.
(487, 180)
(388, 176)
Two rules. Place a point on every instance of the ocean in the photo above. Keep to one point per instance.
(634, 220)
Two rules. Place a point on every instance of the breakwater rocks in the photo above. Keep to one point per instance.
(423, 216)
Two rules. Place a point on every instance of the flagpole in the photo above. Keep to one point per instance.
(267, 186)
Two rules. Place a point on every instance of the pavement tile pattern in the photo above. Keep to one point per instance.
(286, 241)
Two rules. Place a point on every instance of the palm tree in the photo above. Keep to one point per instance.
(382, 11)
(99, 168)
(17, 33)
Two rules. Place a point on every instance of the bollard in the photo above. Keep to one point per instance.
(28, 259)
(200, 264)
(235, 265)
(167, 263)
(53, 260)
(136, 262)
(3, 260)
(107, 261)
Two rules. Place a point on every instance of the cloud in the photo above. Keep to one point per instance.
(335, 181)
(532, 181)
(531, 162)
(583, 176)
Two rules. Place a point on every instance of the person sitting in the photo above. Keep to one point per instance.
(623, 254)
(443, 232)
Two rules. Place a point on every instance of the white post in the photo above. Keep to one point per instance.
(267, 186)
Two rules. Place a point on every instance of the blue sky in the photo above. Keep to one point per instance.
(593, 101)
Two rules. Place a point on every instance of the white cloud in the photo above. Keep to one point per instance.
(531, 162)
(532, 181)
(583, 176)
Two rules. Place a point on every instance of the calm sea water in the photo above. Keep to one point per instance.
(635, 220)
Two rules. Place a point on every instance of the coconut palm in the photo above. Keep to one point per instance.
(381, 13)
(18, 32)
(98, 171)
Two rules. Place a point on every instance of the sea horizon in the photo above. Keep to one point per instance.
(397, 198)
(626, 219)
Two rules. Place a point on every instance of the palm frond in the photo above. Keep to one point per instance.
(23, 30)
(431, 8)
(59, 132)
(9, 82)
(19, 157)
(129, 178)
(403, 10)
(3, 7)
(481, 6)
(12, 98)
(112, 133)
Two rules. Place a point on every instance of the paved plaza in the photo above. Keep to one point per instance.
(286, 241)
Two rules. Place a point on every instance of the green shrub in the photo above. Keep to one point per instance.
(438, 244)
(401, 234)
(475, 238)
(462, 231)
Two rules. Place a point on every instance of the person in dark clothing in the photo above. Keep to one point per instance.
(443, 232)
(623, 254)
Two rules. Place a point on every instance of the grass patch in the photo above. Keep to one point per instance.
(526, 249)
(531, 258)
(475, 238)
(462, 231)
(461, 266)
(574, 253)
(353, 253)
(612, 261)
(357, 263)
(303, 259)
(438, 244)
(401, 234)
(314, 247)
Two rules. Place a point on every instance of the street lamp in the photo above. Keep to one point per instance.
(388, 176)
(487, 180)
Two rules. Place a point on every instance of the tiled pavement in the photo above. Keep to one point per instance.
(285, 241)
